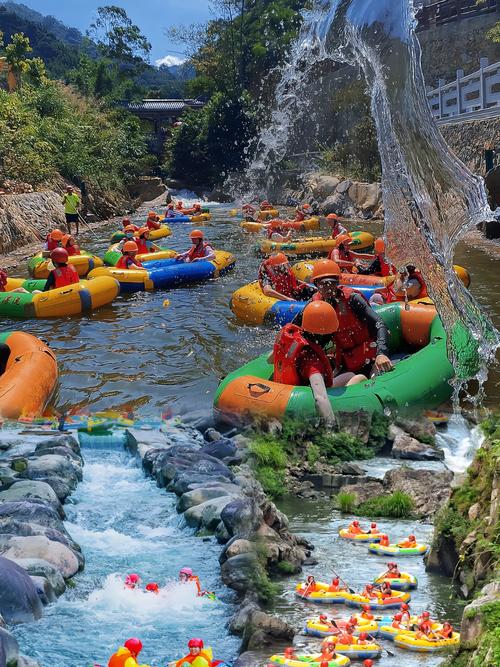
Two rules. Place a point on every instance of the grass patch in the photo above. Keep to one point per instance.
(273, 481)
(285, 567)
(398, 505)
(346, 501)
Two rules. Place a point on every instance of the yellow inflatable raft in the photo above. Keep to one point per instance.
(378, 603)
(307, 225)
(409, 641)
(269, 214)
(315, 245)
(313, 660)
(316, 628)
(395, 550)
(401, 583)
(39, 267)
(390, 632)
(359, 537)
(321, 595)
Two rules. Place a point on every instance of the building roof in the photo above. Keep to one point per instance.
(164, 105)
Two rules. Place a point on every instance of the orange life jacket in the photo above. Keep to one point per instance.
(396, 624)
(142, 247)
(446, 634)
(354, 344)
(367, 615)
(191, 658)
(65, 275)
(284, 283)
(355, 530)
(384, 542)
(120, 658)
(152, 224)
(196, 581)
(196, 251)
(334, 588)
(289, 344)
(392, 575)
(125, 261)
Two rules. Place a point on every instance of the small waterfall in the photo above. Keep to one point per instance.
(431, 198)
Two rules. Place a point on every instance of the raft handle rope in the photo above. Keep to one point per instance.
(265, 389)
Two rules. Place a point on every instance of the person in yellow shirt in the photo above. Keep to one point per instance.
(71, 202)
(126, 656)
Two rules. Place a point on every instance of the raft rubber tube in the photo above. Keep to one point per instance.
(321, 596)
(405, 582)
(359, 537)
(167, 273)
(377, 604)
(315, 245)
(201, 217)
(388, 631)
(154, 234)
(419, 380)
(39, 267)
(315, 628)
(75, 299)
(268, 214)
(410, 642)
(394, 550)
(359, 651)
(113, 254)
(307, 225)
(29, 375)
(312, 660)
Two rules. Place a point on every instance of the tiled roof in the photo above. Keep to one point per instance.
(164, 105)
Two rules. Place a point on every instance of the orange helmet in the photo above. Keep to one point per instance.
(306, 206)
(325, 268)
(196, 234)
(129, 228)
(343, 238)
(126, 221)
(319, 318)
(56, 235)
(276, 259)
(143, 230)
(332, 216)
(130, 246)
(152, 214)
(379, 245)
(65, 240)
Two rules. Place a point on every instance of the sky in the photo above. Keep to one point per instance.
(152, 16)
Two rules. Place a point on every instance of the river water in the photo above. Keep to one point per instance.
(125, 523)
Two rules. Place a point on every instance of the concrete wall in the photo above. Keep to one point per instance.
(468, 141)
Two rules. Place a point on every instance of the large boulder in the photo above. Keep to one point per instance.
(63, 440)
(238, 572)
(36, 567)
(406, 447)
(42, 548)
(264, 630)
(53, 465)
(185, 481)
(323, 185)
(473, 616)
(364, 491)
(429, 489)
(19, 601)
(208, 514)
(22, 529)
(204, 493)
(422, 428)
(241, 517)
(366, 197)
(38, 513)
(221, 449)
(44, 590)
(32, 490)
(9, 649)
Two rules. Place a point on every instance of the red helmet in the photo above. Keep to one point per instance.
(133, 578)
(353, 621)
(195, 643)
(368, 663)
(404, 607)
(125, 222)
(59, 255)
(363, 635)
(391, 564)
(365, 607)
(373, 525)
(412, 537)
(332, 216)
(152, 587)
(134, 645)
(425, 614)
(289, 652)
(355, 523)
(323, 617)
(336, 580)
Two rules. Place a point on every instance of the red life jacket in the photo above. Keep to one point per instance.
(52, 244)
(354, 345)
(299, 216)
(344, 254)
(196, 251)
(73, 250)
(284, 283)
(152, 224)
(446, 633)
(3, 280)
(423, 287)
(125, 261)
(290, 343)
(65, 275)
(337, 230)
(142, 247)
(386, 268)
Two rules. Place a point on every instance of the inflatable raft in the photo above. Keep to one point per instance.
(322, 595)
(307, 225)
(113, 254)
(388, 631)
(394, 550)
(315, 628)
(167, 273)
(405, 582)
(39, 267)
(417, 335)
(154, 234)
(315, 245)
(82, 297)
(408, 641)
(268, 214)
(200, 217)
(379, 603)
(28, 375)
(359, 651)
(359, 537)
(312, 660)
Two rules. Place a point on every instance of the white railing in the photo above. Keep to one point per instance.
(467, 94)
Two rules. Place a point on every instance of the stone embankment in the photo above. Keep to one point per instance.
(218, 494)
(37, 554)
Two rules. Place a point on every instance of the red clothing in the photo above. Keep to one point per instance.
(354, 345)
(73, 250)
(152, 224)
(52, 244)
(142, 246)
(296, 358)
(65, 275)
(126, 262)
(199, 250)
(284, 283)
(3, 280)
(299, 216)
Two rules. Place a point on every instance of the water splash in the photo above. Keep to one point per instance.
(431, 198)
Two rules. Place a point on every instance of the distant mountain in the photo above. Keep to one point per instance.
(70, 36)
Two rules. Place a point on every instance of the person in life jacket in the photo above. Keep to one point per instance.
(144, 245)
(276, 279)
(346, 637)
(336, 586)
(128, 260)
(127, 655)
(153, 587)
(446, 632)
(300, 359)
(63, 274)
(300, 215)
(368, 662)
(289, 653)
(276, 231)
(366, 612)
(249, 213)
(355, 529)
(384, 541)
(129, 232)
(392, 571)
(362, 338)
(362, 639)
(196, 657)
(132, 581)
(70, 245)
(345, 257)
(153, 221)
(170, 212)
(408, 285)
(405, 614)
(374, 528)
(310, 586)
(53, 240)
(200, 250)
(369, 591)
(186, 576)
(385, 590)
(179, 205)
(396, 621)
(424, 628)
(379, 266)
(409, 543)
(127, 223)
(335, 227)
(265, 205)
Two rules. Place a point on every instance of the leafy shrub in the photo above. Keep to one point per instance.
(313, 454)
(273, 481)
(268, 452)
(285, 567)
(346, 501)
(398, 505)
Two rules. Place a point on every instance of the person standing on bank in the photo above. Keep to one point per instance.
(71, 202)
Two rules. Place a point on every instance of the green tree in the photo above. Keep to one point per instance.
(494, 33)
(16, 53)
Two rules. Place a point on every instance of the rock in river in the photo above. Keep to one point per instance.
(19, 601)
(32, 490)
(40, 547)
(429, 489)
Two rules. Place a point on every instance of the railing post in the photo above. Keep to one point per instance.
(483, 62)
(460, 74)
(441, 83)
